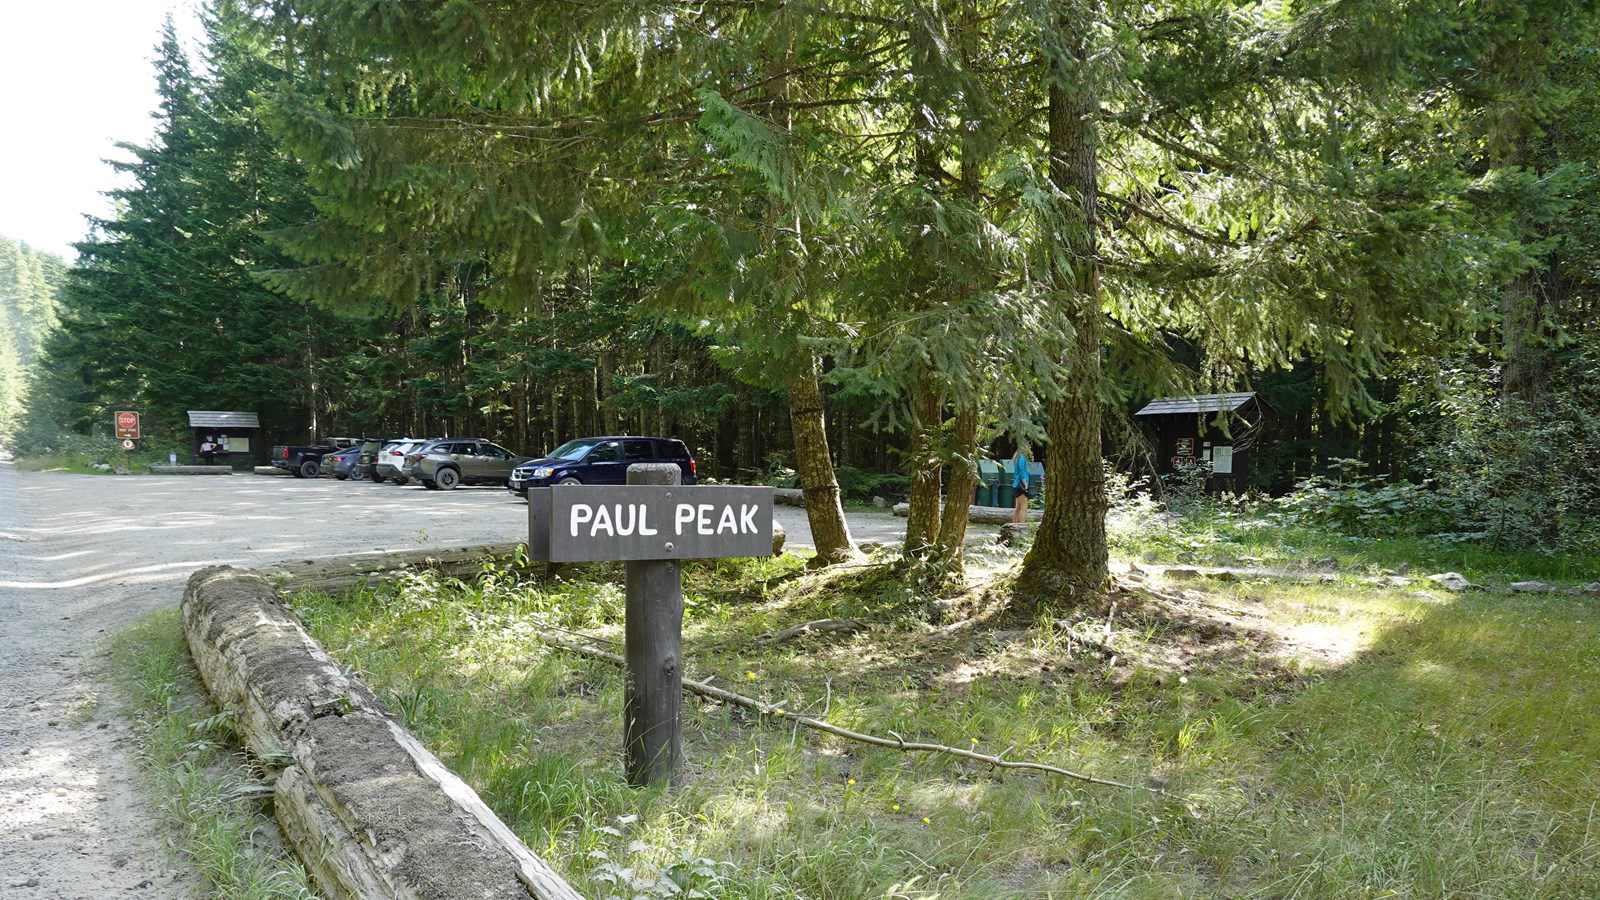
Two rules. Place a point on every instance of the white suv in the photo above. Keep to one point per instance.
(391, 460)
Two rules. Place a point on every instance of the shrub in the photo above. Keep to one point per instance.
(1353, 502)
(1184, 488)
(859, 484)
(1507, 475)
(75, 449)
(1520, 476)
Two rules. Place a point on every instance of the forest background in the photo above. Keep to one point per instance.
(858, 239)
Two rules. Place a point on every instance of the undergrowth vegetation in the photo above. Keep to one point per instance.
(1341, 734)
(87, 454)
(208, 789)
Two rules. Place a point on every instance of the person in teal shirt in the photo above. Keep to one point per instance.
(1019, 483)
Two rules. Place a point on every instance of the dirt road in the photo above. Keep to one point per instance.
(83, 556)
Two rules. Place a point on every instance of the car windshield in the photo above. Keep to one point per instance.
(572, 450)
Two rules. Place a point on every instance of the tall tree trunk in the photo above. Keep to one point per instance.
(1526, 309)
(807, 419)
(961, 448)
(963, 480)
(1068, 560)
(925, 464)
(927, 472)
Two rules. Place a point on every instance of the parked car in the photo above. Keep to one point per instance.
(448, 463)
(370, 449)
(300, 461)
(391, 460)
(413, 459)
(342, 465)
(601, 460)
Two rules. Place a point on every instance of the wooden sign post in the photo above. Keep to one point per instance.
(126, 423)
(652, 522)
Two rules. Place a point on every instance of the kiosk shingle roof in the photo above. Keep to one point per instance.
(202, 418)
(1200, 403)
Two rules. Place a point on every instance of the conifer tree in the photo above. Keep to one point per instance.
(548, 139)
(28, 282)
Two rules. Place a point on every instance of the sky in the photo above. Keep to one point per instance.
(76, 76)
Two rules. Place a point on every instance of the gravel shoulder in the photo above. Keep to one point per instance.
(82, 557)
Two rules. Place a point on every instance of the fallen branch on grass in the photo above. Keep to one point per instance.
(894, 743)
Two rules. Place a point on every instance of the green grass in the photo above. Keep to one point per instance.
(1449, 752)
(1223, 536)
(199, 779)
(82, 463)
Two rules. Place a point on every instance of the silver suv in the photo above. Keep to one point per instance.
(448, 463)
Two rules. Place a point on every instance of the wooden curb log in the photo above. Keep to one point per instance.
(370, 811)
(191, 470)
(985, 515)
(338, 573)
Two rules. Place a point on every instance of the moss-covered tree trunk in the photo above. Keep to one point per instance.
(1067, 563)
(812, 460)
(927, 413)
(963, 479)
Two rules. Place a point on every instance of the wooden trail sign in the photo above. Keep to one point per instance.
(589, 523)
(127, 425)
(651, 523)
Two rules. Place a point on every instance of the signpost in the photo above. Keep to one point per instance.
(652, 522)
(126, 424)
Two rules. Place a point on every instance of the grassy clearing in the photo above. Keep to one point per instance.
(83, 462)
(202, 783)
(1227, 536)
(1334, 739)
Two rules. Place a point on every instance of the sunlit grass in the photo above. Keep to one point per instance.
(1446, 753)
(199, 779)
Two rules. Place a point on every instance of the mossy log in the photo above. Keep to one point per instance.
(338, 573)
(371, 812)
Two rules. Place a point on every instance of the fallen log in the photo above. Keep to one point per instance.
(789, 496)
(983, 515)
(337, 573)
(371, 812)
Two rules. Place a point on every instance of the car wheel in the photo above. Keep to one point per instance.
(447, 479)
(358, 475)
(400, 480)
(310, 469)
(569, 480)
(378, 479)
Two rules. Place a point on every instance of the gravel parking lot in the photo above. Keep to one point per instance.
(83, 556)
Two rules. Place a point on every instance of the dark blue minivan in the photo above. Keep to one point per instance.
(600, 460)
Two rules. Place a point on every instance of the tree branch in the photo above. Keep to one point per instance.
(894, 743)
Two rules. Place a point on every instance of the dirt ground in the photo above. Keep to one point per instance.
(83, 556)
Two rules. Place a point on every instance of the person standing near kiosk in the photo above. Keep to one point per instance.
(208, 451)
(1019, 483)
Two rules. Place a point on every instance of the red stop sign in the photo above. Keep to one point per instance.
(127, 425)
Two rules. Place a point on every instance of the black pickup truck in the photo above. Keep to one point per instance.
(301, 462)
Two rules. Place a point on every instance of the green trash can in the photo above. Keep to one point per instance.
(1004, 494)
(988, 483)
